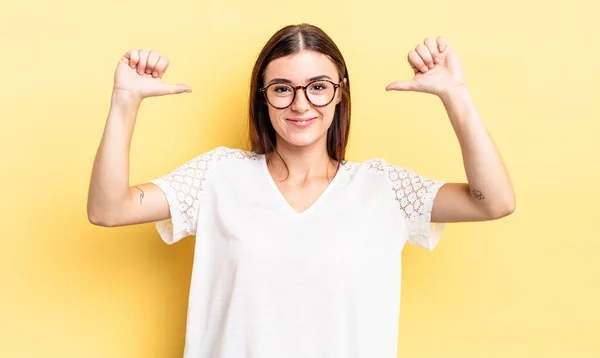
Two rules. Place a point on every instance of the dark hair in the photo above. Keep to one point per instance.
(289, 40)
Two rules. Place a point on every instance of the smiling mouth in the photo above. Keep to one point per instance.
(301, 120)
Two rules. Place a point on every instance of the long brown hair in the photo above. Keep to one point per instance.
(289, 40)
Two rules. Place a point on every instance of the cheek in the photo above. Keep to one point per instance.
(329, 112)
(274, 115)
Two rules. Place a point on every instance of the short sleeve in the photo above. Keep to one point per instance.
(182, 188)
(415, 194)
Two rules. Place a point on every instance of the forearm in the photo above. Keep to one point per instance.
(109, 184)
(489, 181)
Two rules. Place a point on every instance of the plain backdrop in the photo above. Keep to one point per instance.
(524, 286)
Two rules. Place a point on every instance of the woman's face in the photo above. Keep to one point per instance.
(302, 124)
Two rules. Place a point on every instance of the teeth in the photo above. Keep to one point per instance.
(302, 121)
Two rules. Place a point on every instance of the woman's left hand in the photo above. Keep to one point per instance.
(437, 69)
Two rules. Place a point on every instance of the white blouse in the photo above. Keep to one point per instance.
(269, 282)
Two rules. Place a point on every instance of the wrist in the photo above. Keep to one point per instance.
(124, 107)
(455, 93)
(125, 97)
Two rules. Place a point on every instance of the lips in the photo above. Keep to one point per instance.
(301, 122)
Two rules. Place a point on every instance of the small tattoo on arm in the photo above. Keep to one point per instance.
(478, 194)
(141, 195)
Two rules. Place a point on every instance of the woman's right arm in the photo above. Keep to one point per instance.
(111, 200)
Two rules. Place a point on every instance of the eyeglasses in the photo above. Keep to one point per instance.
(319, 93)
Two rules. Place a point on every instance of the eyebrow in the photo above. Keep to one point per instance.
(285, 80)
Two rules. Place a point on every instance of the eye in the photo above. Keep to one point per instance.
(319, 86)
(281, 88)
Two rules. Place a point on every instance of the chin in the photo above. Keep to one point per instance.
(304, 140)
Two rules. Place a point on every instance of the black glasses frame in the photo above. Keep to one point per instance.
(335, 87)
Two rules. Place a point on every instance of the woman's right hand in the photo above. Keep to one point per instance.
(140, 72)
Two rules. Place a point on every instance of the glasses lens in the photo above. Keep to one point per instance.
(320, 93)
(280, 95)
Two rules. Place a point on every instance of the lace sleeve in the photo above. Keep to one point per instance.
(181, 187)
(415, 194)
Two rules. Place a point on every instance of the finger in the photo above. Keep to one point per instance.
(152, 60)
(161, 67)
(165, 70)
(442, 43)
(130, 58)
(179, 88)
(134, 58)
(433, 49)
(425, 55)
(416, 61)
(143, 61)
(402, 86)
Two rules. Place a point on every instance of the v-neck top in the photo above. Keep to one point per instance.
(285, 203)
(270, 282)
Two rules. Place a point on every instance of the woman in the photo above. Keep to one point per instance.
(298, 250)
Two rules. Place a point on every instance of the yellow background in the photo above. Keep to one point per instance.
(524, 286)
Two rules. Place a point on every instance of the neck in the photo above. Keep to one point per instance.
(303, 163)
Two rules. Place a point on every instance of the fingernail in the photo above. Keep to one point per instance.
(431, 65)
(148, 71)
(424, 69)
(436, 59)
(155, 74)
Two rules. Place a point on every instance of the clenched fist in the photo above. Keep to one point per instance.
(436, 66)
(140, 72)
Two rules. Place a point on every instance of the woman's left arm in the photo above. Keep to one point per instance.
(489, 193)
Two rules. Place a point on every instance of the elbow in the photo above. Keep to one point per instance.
(507, 207)
(508, 211)
(95, 217)
(97, 220)
(92, 214)
(504, 210)
(511, 205)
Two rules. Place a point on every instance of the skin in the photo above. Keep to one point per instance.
(487, 195)
(309, 168)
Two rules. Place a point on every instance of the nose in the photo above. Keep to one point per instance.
(301, 103)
